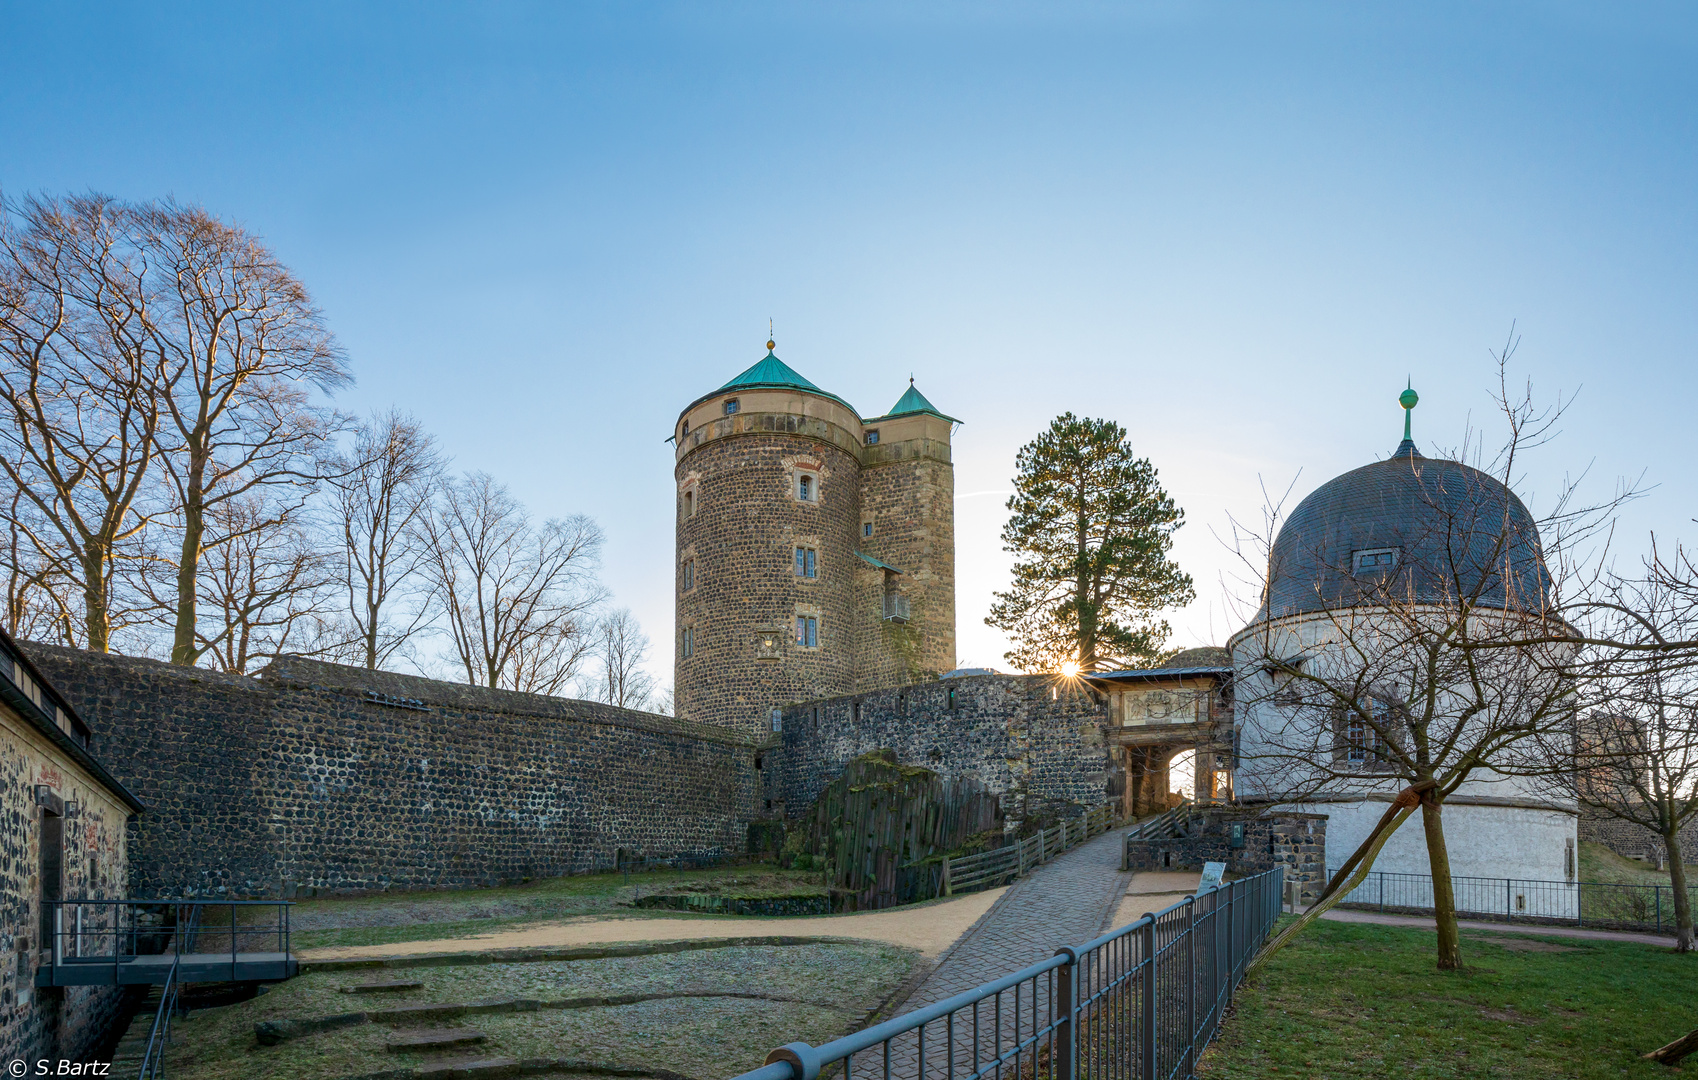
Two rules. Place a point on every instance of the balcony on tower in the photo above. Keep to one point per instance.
(895, 607)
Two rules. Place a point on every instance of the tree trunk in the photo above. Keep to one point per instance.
(1086, 653)
(1674, 1051)
(1444, 895)
(371, 637)
(1682, 902)
(183, 650)
(97, 619)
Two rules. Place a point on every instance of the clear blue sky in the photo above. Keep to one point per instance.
(545, 228)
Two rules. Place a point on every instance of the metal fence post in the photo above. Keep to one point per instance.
(1190, 985)
(1147, 1040)
(1231, 934)
(1067, 1010)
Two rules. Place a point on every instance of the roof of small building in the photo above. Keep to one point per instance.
(912, 402)
(1156, 674)
(968, 672)
(42, 719)
(878, 563)
(771, 373)
(1448, 527)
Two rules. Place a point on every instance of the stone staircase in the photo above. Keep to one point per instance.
(132, 1046)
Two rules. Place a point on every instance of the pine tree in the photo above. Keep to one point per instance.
(1091, 529)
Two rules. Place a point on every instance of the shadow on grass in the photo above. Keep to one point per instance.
(1350, 1000)
(382, 918)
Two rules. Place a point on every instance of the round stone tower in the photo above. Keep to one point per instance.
(792, 582)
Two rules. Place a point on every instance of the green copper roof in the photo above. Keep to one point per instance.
(877, 564)
(915, 402)
(770, 371)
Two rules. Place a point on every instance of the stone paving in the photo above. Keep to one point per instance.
(1068, 901)
(1064, 902)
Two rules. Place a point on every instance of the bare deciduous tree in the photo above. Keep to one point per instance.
(1448, 664)
(513, 595)
(621, 648)
(380, 499)
(1637, 744)
(264, 583)
(239, 343)
(36, 605)
(79, 433)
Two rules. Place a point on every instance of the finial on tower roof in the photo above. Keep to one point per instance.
(1407, 399)
(770, 336)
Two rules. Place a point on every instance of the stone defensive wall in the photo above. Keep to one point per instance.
(1248, 841)
(1030, 739)
(315, 777)
(1635, 841)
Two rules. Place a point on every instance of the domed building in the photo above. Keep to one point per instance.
(816, 549)
(1364, 570)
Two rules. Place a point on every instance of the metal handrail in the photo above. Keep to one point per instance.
(1125, 1004)
(122, 931)
(1606, 903)
(159, 1036)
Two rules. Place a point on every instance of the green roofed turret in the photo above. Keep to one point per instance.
(769, 372)
(911, 402)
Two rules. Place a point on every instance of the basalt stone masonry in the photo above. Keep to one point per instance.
(1632, 840)
(1030, 739)
(816, 549)
(318, 777)
(1248, 842)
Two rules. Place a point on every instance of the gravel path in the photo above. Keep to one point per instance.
(1426, 923)
(930, 928)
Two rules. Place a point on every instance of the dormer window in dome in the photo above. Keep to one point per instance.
(1373, 560)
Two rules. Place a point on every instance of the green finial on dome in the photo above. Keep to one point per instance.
(1408, 399)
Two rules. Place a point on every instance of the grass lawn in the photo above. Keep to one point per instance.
(1599, 863)
(1349, 1000)
(420, 916)
(809, 992)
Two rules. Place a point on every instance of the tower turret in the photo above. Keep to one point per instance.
(815, 550)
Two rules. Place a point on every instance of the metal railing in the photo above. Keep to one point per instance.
(985, 869)
(119, 933)
(1582, 903)
(159, 1035)
(895, 607)
(1138, 1003)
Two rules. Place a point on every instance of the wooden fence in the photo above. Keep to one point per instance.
(987, 869)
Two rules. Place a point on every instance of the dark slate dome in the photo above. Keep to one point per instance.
(1424, 528)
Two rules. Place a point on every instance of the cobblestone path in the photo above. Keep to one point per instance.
(1065, 902)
